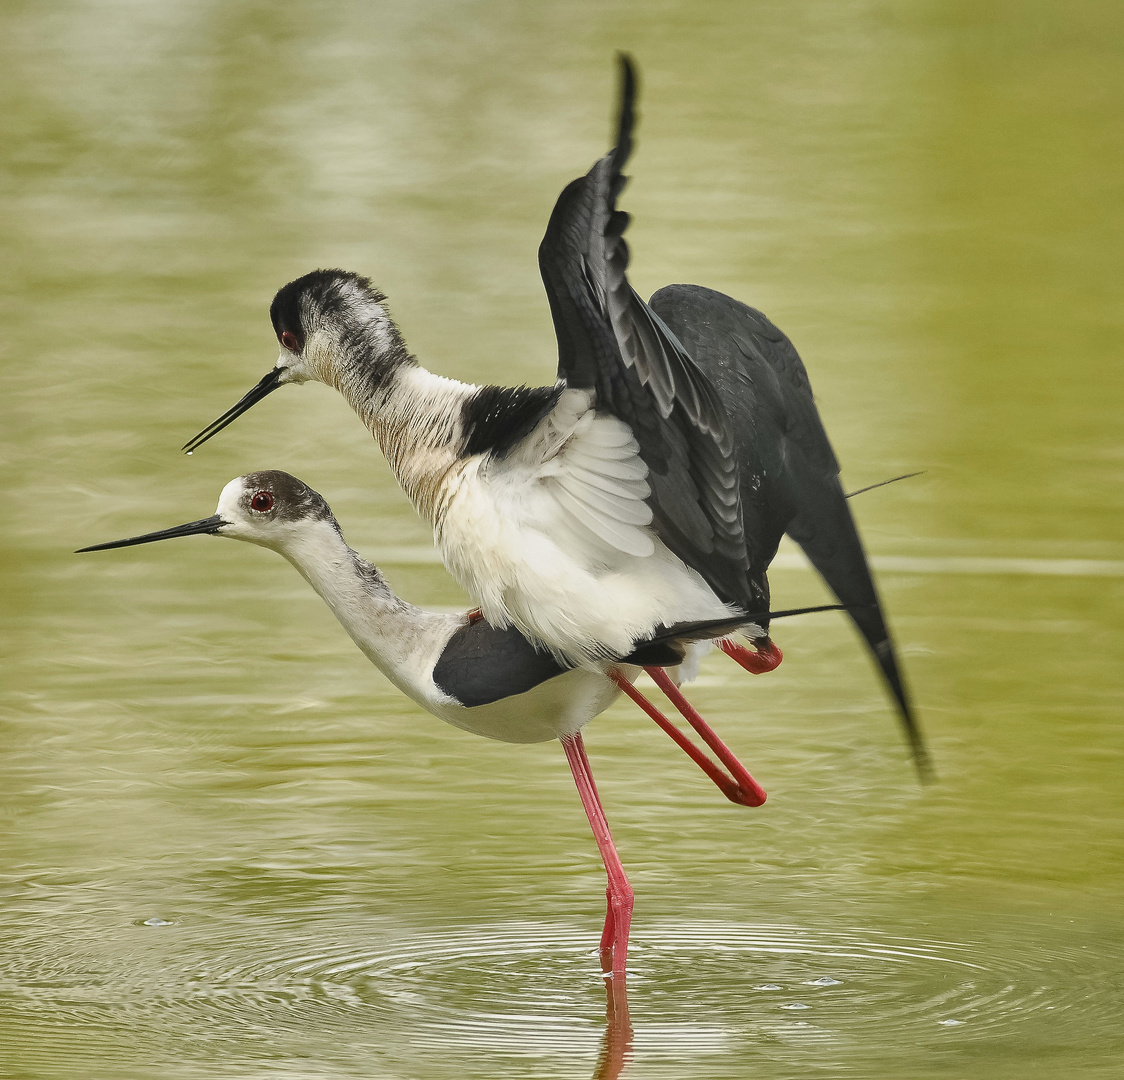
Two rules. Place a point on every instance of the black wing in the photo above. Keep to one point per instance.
(481, 664)
(611, 342)
(789, 473)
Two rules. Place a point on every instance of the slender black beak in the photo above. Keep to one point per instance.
(263, 388)
(883, 483)
(806, 610)
(192, 528)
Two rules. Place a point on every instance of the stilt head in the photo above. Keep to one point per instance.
(326, 322)
(333, 327)
(270, 508)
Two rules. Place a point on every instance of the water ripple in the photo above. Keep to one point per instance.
(531, 989)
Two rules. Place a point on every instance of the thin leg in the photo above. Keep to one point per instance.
(756, 661)
(737, 785)
(610, 920)
(618, 912)
(753, 793)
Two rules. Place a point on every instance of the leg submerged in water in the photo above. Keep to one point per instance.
(618, 912)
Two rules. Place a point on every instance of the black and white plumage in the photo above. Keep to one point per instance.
(484, 679)
(647, 489)
(487, 680)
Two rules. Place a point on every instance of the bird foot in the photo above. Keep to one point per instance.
(756, 661)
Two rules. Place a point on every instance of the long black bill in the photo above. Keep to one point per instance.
(263, 388)
(883, 483)
(192, 528)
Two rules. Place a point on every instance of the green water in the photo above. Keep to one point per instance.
(228, 848)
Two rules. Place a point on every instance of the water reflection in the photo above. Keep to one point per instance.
(616, 1048)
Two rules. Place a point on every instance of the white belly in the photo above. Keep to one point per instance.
(560, 706)
(529, 569)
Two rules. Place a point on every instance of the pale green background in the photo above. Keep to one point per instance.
(926, 196)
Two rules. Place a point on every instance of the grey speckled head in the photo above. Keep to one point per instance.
(279, 496)
(333, 327)
(261, 507)
(322, 294)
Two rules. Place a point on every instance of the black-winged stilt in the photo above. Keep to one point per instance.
(488, 680)
(646, 490)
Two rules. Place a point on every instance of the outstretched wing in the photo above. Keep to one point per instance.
(613, 345)
(790, 476)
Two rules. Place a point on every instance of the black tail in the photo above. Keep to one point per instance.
(791, 473)
(824, 528)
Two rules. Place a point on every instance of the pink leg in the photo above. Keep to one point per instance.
(756, 661)
(753, 794)
(737, 785)
(618, 912)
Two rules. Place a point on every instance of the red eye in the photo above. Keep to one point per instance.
(262, 501)
(289, 340)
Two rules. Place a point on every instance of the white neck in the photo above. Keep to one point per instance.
(416, 419)
(402, 640)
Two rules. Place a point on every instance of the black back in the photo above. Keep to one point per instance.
(481, 664)
(496, 418)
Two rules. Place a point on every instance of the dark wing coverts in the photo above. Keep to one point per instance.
(480, 664)
(790, 476)
(611, 342)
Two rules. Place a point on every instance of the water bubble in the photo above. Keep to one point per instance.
(158, 922)
(827, 980)
(800, 1005)
(949, 1023)
(768, 986)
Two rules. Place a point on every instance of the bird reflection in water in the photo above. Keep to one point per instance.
(616, 1048)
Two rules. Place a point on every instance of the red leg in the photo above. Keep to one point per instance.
(737, 785)
(618, 912)
(756, 661)
(752, 793)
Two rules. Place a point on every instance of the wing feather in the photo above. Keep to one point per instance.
(612, 344)
(629, 511)
(619, 535)
(624, 489)
(790, 472)
(622, 468)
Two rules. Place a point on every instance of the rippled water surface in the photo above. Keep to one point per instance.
(228, 848)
